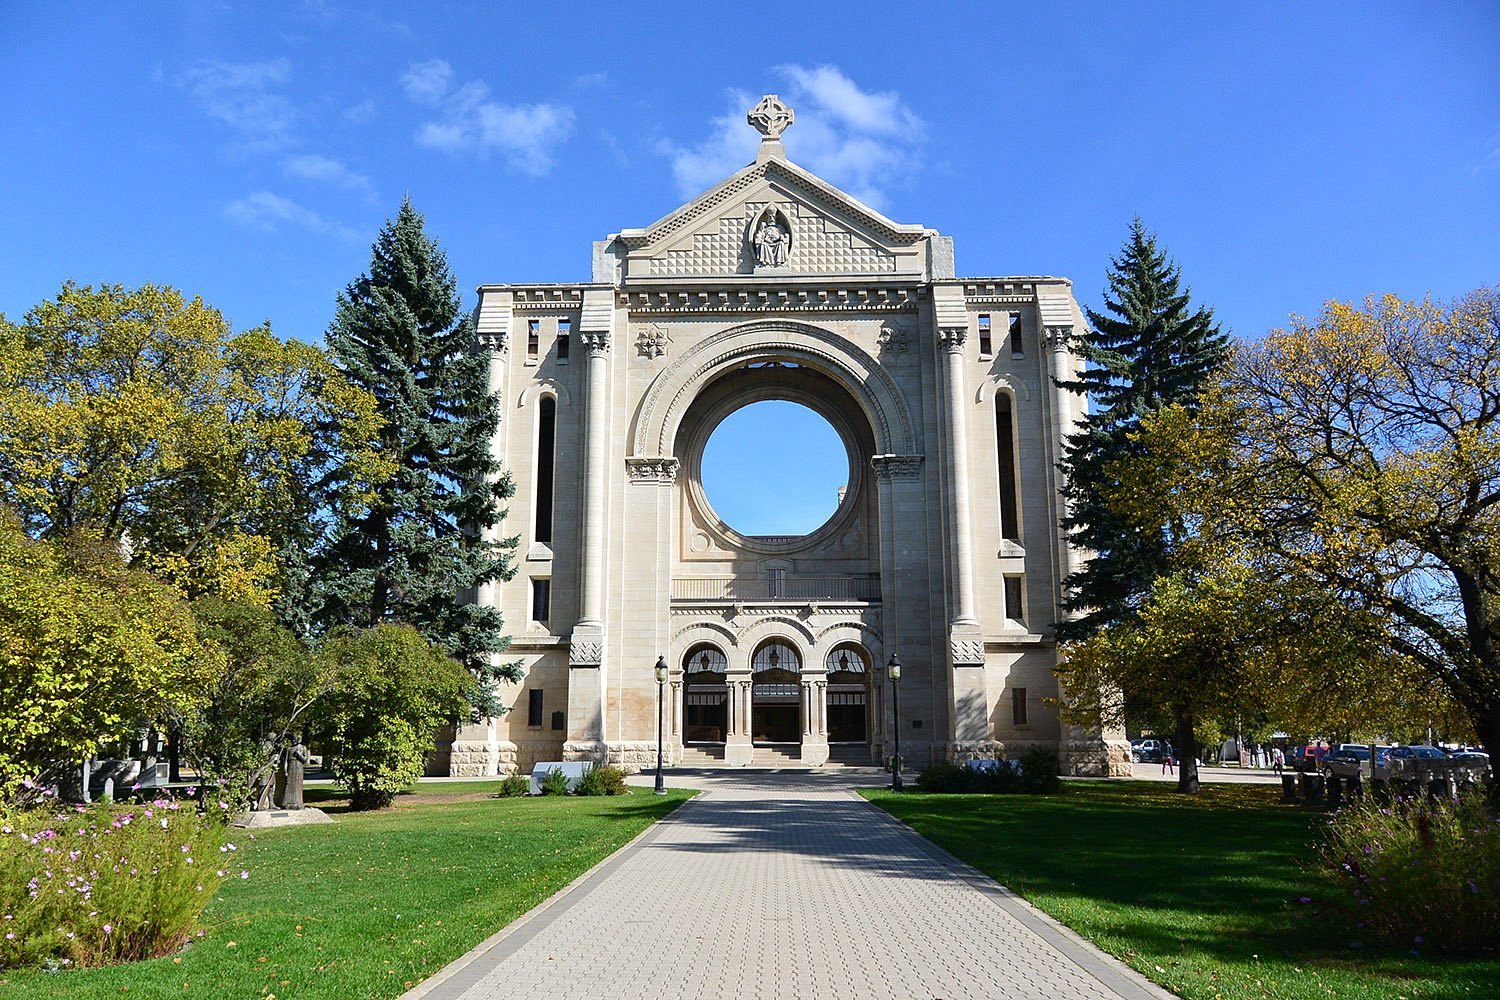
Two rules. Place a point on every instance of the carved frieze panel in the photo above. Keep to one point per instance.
(967, 652)
(585, 652)
(775, 234)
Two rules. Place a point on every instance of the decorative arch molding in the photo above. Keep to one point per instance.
(697, 632)
(864, 378)
(544, 387)
(773, 625)
(851, 631)
(1001, 383)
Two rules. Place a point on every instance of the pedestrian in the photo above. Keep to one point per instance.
(1278, 760)
(1168, 765)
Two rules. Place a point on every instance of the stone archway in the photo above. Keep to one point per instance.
(776, 694)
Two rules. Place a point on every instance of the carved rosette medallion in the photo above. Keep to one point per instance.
(896, 467)
(770, 117)
(967, 652)
(585, 652)
(652, 342)
(659, 471)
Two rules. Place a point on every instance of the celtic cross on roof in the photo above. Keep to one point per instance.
(770, 117)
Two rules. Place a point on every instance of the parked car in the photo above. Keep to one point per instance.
(1309, 758)
(1348, 760)
(1150, 750)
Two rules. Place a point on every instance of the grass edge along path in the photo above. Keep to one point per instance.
(1202, 895)
(376, 902)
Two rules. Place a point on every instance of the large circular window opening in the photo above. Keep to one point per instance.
(775, 468)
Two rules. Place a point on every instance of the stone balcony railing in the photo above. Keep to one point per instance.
(862, 588)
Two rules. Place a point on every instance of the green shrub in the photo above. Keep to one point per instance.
(592, 783)
(103, 885)
(555, 782)
(614, 780)
(1039, 771)
(606, 780)
(514, 785)
(1419, 873)
(944, 778)
(391, 690)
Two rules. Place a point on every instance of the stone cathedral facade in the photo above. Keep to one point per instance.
(945, 549)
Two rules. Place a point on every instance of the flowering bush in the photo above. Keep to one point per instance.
(97, 885)
(1419, 873)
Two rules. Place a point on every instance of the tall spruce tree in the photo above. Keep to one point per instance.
(417, 552)
(1150, 350)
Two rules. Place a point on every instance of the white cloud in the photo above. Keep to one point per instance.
(427, 82)
(269, 212)
(362, 113)
(468, 120)
(325, 170)
(246, 97)
(862, 141)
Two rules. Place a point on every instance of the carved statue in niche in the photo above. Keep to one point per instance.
(771, 241)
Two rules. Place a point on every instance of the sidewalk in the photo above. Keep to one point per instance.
(784, 885)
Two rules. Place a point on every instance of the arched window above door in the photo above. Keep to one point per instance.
(848, 658)
(705, 660)
(776, 655)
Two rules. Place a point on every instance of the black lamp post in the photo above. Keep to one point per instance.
(661, 680)
(893, 671)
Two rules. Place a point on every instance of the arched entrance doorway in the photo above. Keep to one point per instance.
(705, 710)
(776, 694)
(849, 721)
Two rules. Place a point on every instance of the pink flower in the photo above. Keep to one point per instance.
(108, 929)
(244, 874)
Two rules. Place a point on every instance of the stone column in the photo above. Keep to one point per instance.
(476, 745)
(956, 458)
(737, 748)
(1062, 426)
(596, 436)
(970, 704)
(586, 675)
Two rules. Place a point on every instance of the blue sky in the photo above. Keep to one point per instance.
(1285, 152)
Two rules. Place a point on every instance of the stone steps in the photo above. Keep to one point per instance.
(777, 755)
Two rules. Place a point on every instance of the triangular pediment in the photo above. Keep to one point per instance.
(827, 231)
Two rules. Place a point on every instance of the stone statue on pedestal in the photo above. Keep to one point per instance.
(294, 760)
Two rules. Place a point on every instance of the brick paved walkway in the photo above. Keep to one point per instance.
(781, 886)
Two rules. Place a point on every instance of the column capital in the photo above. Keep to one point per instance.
(660, 470)
(889, 467)
(1058, 337)
(497, 341)
(596, 341)
(953, 339)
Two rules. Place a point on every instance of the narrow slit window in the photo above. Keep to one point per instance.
(1005, 458)
(546, 441)
(1014, 601)
(1018, 714)
(541, 599)
(1017, 345)
(534, 708)
(984, 336)
(564, 332)
(533, 338)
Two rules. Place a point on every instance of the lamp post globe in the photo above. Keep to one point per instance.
(661, 680)
(893, 671)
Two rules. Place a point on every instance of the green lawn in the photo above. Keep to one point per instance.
(371, 904)
(1201, 894)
